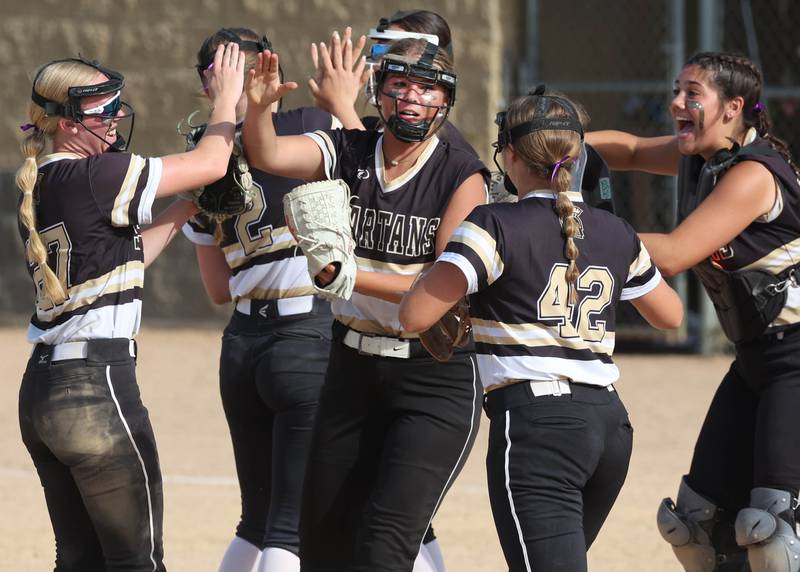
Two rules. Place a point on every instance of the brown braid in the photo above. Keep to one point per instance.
(542, 151)
(734, 75)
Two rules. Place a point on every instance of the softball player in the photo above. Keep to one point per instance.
(275, 347)
(393, 426)
(543, 309)
(81, 417)
(739, 205)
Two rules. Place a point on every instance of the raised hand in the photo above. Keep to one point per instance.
(340, 72)
(263, 86)
(225, 77)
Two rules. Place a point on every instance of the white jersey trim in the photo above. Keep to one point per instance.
(639, 291)
(199, 238)
(327, 156)
(460, 262)
(155, 170)
(119, 321)
(500, 369)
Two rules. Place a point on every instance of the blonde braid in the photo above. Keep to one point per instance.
(561, 180)
(35, 252)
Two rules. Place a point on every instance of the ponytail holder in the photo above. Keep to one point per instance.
(28, 127)
(759, 107)
(558, 165)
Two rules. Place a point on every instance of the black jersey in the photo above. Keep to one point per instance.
(772, 241)
(525, 328)
(394, 223)
(265, 262)
(88, 212)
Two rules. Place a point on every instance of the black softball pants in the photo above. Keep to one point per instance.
(389, 439)
(90, 438)
(555, 465)
(750, 436)
(271, 372)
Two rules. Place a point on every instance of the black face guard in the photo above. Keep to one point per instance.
(506, 136)
(72, 110)
(423, 73)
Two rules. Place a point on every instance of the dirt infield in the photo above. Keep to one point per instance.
(666, 397)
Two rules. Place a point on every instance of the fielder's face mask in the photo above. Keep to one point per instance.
(421, 73)
(383, 38)
(108, 111)
(508, 136)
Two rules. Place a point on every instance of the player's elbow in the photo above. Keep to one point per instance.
(219, 299)
(669, 321)
(412, 321)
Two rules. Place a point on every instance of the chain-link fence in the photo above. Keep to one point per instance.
(621, 63)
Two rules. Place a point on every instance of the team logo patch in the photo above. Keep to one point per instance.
(362, 174)
(576, 214)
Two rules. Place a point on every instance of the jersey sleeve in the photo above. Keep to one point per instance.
(470, 164)
(476, 248)
(336, 150)
(124, 187)
(643, 275)
(199, 229)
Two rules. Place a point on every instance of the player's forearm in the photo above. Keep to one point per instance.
(156, 236)
(389, 287)
(259, 138)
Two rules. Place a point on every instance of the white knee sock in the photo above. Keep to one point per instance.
(429, 558)
(241, 556)
(278, 560)
(434, 554)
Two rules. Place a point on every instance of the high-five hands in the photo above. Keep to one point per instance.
(340, 73)
(264, 87)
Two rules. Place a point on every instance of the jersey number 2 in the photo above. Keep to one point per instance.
(57, 243)
(595, 286)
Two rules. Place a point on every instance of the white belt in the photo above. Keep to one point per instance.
(554, 387)
(285, 306)
(377, 345)
(79, 350)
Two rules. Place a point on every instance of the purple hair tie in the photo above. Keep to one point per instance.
(28, 127)
(759, 107)
(558, 165)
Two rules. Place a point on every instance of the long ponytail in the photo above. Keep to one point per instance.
(53, 83)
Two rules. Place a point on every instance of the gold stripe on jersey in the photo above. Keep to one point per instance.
(779, 259)
(281, 240)
(535, 336)
(482, 243)
(120, 279)
(372, 327)
(47, 159)
(276, 293)
(640, 265)
(329, 153)
(119, 214)
(391, 267)
(413, 171)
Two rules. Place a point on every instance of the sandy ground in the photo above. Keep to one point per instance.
(665, 395)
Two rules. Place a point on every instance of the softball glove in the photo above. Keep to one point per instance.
(318, 216)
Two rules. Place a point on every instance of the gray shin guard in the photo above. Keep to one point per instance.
(766, 529)
(687, 526)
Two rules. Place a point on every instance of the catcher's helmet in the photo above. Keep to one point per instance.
(424, 73)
